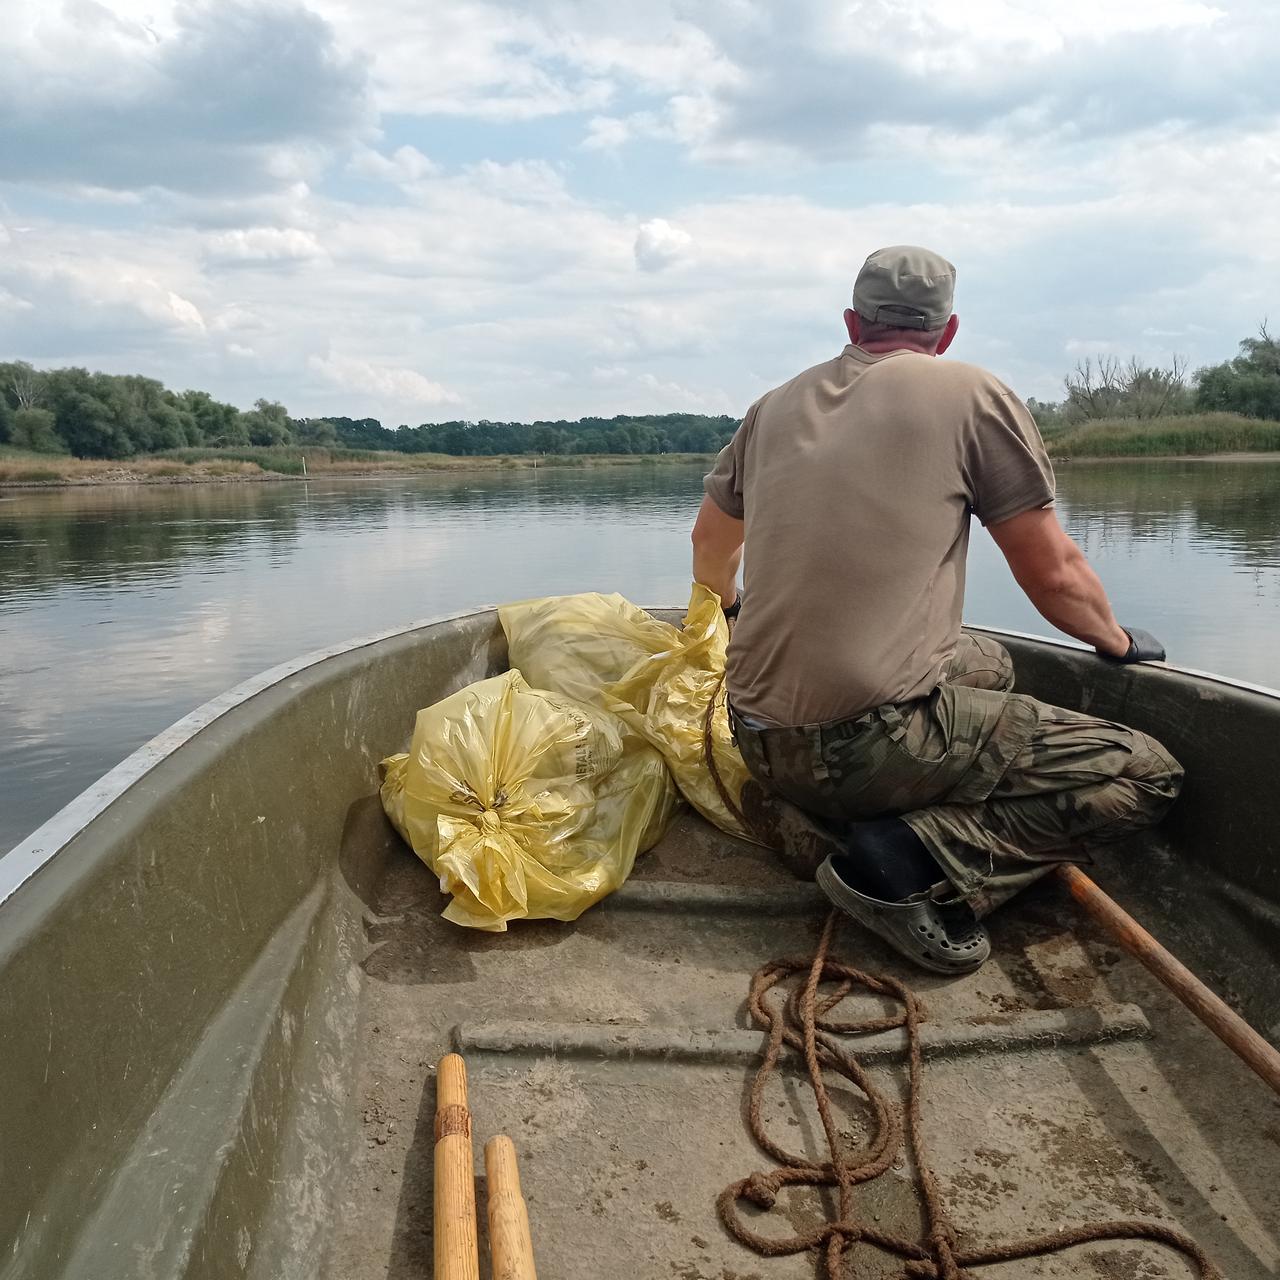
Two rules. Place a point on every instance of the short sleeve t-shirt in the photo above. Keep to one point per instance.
(857, 480)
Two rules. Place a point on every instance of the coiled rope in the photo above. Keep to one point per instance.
(803, 1022)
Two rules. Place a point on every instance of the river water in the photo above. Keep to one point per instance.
(121, 609)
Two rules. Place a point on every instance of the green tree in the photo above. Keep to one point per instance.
(34, 429)
(147, 414)
(1248, 384)
(317, 431)
(364, 433)
(90, 425)
(21, 386)
(594, 441)
(547, 439)
(1049, 417)
(698, 437)
(268, 423)
(216, 423)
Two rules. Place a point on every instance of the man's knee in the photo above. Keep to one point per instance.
(1155, 772)
(981, 662)
(1145, 787)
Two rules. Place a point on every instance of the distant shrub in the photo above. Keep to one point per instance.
(284, 461)
(1249, 384)
(1108, 388)
(33, 429)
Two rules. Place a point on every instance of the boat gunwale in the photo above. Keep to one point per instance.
(27, 858)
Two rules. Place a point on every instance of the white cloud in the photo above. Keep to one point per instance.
(509, 62)
(1085, 347)
(812, 80)
(77, 285)
(533, 181)
(188, 95)
(633, 392)
(672, 395)
(462, 58)
(385, 383)
(659, 245)
(607, 133)
(12, 302)
(185, 313)
(374, 208)
(234, 318)
(264, 244)
(403, 165)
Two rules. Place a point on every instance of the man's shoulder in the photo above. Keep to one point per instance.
(821, 372)
(937, 375)
(956, 375)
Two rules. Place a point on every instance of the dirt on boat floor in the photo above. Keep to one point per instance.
(623, 1151)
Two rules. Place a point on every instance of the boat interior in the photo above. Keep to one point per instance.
(225, 985)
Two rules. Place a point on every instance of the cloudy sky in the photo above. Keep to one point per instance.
(431, 209)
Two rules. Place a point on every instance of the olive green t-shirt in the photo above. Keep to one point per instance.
(856, 480)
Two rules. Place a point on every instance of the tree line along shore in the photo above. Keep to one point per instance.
(70, 426)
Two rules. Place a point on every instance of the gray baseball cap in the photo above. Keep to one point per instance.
(905, 286)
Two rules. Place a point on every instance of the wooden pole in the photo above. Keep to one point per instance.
(1219, 1017)
(509, 1239)
(457, 1257)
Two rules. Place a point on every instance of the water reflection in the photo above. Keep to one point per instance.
(1230, 507)
(121, 609)
(1189, 550)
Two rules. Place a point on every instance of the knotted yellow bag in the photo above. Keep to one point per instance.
(657, 677)
(526, 804)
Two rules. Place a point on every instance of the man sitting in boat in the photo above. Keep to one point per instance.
(893, 758)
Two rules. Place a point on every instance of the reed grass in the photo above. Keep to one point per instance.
(1195, 435)
(20, 467)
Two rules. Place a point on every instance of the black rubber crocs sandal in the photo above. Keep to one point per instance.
(933, 935)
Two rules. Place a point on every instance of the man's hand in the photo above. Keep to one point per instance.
(717, 551)
(1117, 646)
(1142, 647)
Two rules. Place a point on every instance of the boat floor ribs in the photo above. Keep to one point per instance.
(1063, 1084)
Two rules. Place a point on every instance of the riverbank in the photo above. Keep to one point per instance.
(1272, 455)
(39, 471)
(1193, 436)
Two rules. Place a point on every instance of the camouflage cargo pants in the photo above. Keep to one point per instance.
(998, 786)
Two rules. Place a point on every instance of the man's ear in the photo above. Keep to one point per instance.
(948, 335)
(853, 324)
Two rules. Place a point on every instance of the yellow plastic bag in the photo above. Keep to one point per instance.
(526, 805)
(575, 645)
(657, 677)
(665, 697)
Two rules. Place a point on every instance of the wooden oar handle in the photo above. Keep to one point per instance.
(509, 1239)
(1219, 1017)
(456, 1253)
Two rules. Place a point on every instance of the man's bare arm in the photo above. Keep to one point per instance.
(1058, 579)
(717, 551)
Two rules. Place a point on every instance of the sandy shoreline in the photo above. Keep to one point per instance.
(89, 476)
(123, 474)
(1260, 456)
